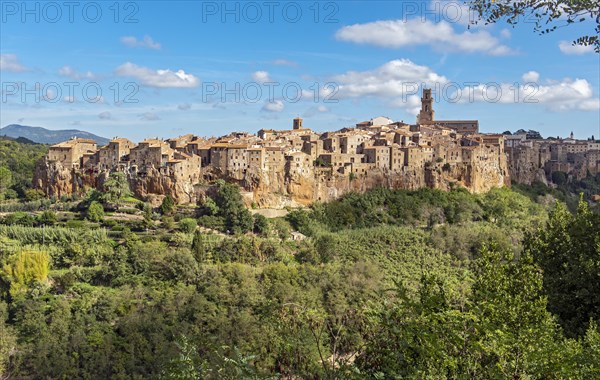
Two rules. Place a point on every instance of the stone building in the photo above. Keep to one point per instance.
(70, 153)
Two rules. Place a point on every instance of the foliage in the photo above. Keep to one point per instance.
(95, 212)
(389, 284)
(20, 159)
(116, 188)
(167, 206)
(46, 218)
(261, 225)
(25, 268)
(188, 225)
(34, 194)
(548, 15)
(5, 179)
(231, 207)
(568, 251)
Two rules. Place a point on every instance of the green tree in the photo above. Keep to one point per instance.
(47, 218)
(188, 225)
(548, 15)
(167, 206)
(25, 268)
(559, 178)
(231, 205)
(95, 212)
(116, 188)
(148, 215)
(5, 179)
(34, 194)
(261, 224)
(567, 249)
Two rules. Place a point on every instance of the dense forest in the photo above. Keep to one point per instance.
(388, 284)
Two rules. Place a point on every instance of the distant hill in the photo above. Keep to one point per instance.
(46, 136)
(21, 140)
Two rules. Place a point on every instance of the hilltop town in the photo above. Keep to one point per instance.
(298, 166)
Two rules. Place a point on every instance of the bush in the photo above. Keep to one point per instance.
(47, 218)
(188, 225)
(168, 222)
(34, 194)
(10, 194)
(213, 222)
(168, 206)
(95, 212)
(261, 225)
(19, 218)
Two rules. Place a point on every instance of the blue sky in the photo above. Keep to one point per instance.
(169, 68)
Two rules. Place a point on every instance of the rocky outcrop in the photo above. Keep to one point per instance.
(278, 189)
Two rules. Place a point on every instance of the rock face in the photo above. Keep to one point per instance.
(278, 189)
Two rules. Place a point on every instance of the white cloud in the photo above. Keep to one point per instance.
(557, 96)
(158, 78)
(261, 77)
(396, 78)
(274, 106)
(312, 111)
(147, 42)
(149, 116)
(285, 62)
(10, 62)
(570, 49)
(184, 107)
(105, 115)
(441, 36)
(505, 33)
(531, 76)
(69, 72)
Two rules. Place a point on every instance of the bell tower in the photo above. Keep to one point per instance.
(427, 114)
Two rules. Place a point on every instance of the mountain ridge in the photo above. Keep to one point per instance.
(47, 136)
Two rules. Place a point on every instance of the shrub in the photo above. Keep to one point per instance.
(47, 218)
(95, 212)
(168, 206)
(188, 225)
(34, 194)
(25, 268)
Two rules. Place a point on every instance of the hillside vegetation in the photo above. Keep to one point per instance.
(388, 284)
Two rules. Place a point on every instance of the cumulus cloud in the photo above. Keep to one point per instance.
(69, 72)
(261, 77)
(146, 42)
(158, 78)
(10, 62)
(149, 116)
(557, 96)
(531, 76)
(105, 115)
(570, 49)
(396, 78)
(273, 107)
(441, 36)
